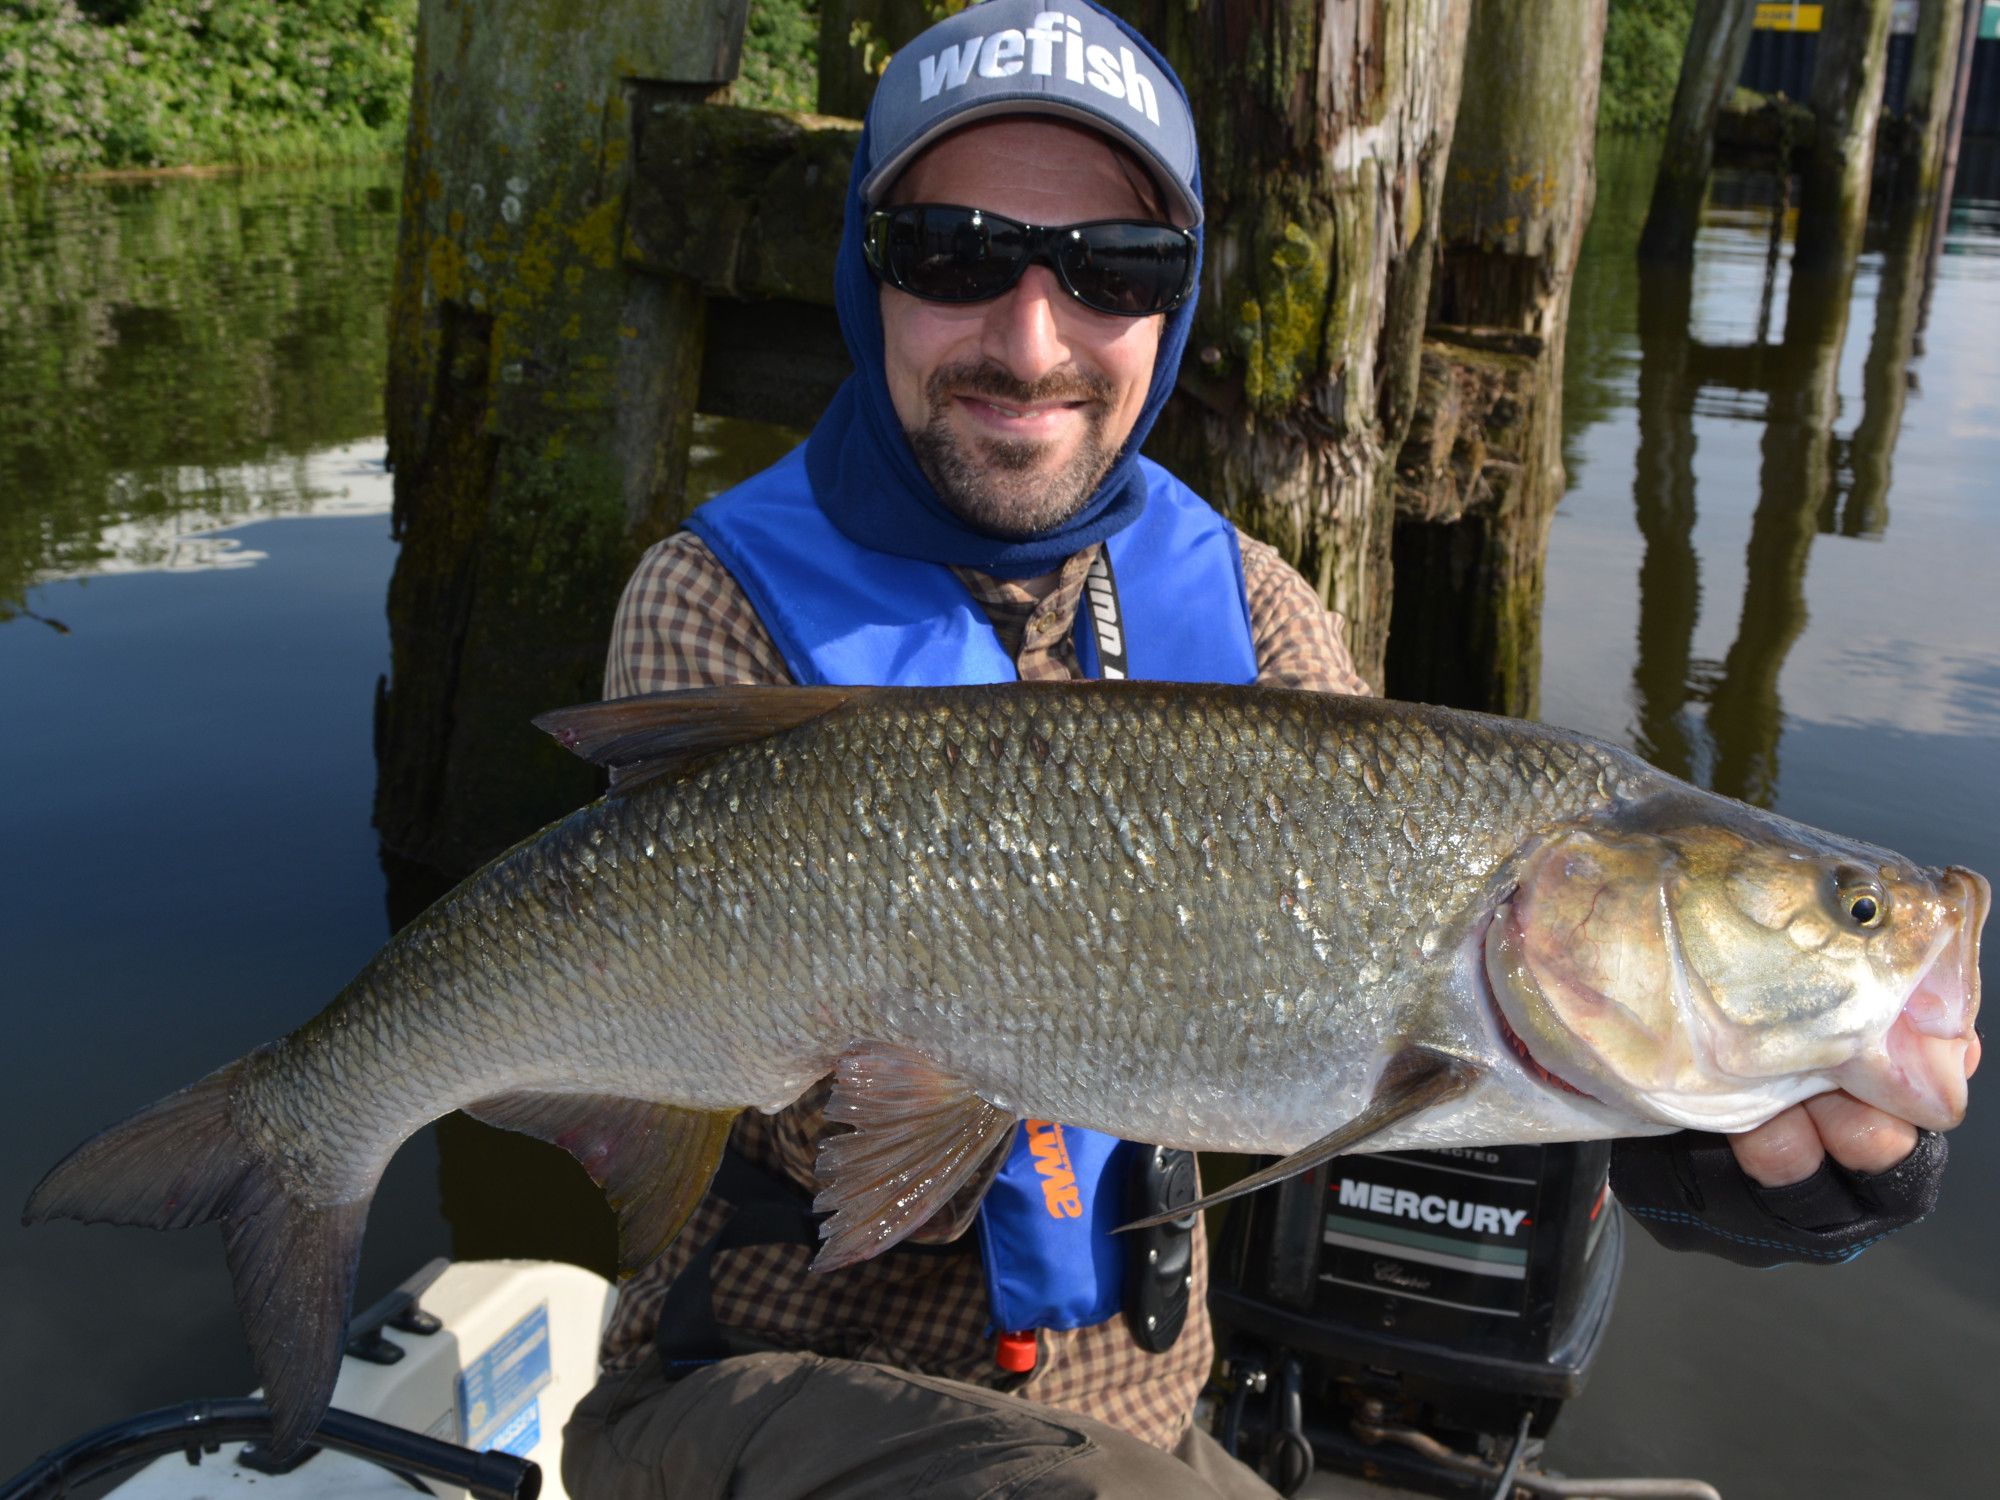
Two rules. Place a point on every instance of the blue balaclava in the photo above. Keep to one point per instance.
(864, 474)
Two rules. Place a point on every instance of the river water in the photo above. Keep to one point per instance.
(1773, 572)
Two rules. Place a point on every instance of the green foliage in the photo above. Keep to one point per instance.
(162, 334)
(163, 83)
(1643, 43)
(780, 56)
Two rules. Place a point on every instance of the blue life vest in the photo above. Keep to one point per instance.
(841, 613)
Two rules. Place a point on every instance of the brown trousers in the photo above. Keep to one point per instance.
(791, 1426)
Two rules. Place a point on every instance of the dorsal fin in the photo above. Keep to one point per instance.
(661, 734)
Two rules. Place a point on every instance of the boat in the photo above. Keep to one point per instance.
(458, 1382)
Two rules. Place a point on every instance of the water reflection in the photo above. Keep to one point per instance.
(168, 346)
(1810, 480)
(1663, 495)
(185, 775)
(1814, 627)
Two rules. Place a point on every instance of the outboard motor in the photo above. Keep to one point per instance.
(1414, 1317)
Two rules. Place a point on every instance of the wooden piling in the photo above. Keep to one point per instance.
(1954, 129)
(1324, 132)
(1918, 144)
(1480, 474)
(1718, 42)
(539, 399)
(1846, 103)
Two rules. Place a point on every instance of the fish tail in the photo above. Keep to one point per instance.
(182, 1162)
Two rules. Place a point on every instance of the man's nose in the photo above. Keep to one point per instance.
(1024, 332)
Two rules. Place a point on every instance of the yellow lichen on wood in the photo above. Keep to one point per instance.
(1282, 330)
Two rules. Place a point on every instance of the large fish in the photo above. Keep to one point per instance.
(1236, 919)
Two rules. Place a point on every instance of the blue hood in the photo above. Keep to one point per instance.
(864, 475)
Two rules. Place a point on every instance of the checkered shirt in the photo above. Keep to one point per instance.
(684, 622)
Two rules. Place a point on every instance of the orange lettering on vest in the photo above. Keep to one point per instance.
(1045, 1144)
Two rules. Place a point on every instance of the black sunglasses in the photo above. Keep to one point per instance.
(944, 253)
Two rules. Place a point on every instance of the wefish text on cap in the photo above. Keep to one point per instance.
(1006, 57)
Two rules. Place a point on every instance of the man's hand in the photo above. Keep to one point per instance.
(1790, 1147)
(1820, 1182)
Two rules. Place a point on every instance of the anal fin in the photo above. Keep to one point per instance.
(920, 1134)
(654, 1161)
(1415, 1080)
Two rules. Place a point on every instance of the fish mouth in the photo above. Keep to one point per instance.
(1918, 1071)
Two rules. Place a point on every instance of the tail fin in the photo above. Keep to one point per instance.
(180, 1163)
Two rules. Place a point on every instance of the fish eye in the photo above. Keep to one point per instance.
(1861, 898)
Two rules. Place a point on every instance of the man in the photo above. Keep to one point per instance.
(972, 509)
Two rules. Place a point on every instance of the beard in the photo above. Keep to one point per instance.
(1007, 488)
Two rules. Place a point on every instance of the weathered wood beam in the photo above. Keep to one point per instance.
(1718, 41)
(771, 361)
(746, 202)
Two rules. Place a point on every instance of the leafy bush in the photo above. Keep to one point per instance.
(161, 83)
(780, 56)
(1643, 43)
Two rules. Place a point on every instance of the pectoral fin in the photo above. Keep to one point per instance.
(920, 1134)
(1416, 1079)
(653, 1161)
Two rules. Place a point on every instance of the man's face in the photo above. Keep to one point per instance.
(1017, 407)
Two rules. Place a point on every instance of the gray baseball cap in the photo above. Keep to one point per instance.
(1013, 57)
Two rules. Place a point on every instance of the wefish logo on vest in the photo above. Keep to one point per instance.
(1430, 1208)
(1118, 75)
(1059, 1191)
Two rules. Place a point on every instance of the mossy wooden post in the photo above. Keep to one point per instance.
(1479, 477)
(1920, 135)
(1324, 129)
(1718, 41)
(539, 399)
(1846, 104)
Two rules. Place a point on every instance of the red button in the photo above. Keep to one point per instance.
(1015, 1352)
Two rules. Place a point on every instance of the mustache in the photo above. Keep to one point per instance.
(985, 378)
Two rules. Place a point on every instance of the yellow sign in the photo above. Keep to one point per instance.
(1788, 17)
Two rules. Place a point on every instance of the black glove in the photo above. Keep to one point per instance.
(1690, 1194)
